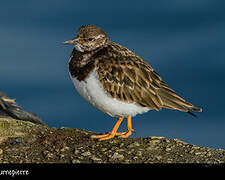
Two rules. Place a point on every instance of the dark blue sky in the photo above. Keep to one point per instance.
(184, 41)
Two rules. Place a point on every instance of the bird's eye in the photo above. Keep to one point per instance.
(90, 39)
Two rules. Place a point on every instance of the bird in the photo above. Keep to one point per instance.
(117, 81)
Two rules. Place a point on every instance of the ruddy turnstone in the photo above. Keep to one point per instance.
(117, 81)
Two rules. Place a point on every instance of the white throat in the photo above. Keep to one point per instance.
(78, 48)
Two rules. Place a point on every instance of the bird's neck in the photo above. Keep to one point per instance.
(82, 63)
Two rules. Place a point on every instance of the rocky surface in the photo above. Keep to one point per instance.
(9, 108)
(24, 138)
(25, 142)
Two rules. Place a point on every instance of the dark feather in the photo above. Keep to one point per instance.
(191, 113)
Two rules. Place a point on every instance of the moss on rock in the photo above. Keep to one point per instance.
(25, 142)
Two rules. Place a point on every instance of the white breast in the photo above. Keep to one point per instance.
(92, 90)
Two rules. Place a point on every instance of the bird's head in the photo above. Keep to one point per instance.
(89, 38)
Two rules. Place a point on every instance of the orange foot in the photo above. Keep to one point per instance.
(129, 129)
(114, 133)
(103, 136)
(125, 134)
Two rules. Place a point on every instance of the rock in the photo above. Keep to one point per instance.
(86, 153)
(9, 108)
(135, 144)
(94, 158)
(168, 149)
(26, 142)
(117, 156)
(23, 141)
(158, 157)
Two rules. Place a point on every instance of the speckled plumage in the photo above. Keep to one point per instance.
(117, 81)
(124, 75)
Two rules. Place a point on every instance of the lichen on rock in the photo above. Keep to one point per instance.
(25, 141)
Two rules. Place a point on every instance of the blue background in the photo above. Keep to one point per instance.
(184, 41)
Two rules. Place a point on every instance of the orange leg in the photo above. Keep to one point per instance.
(114, 131)
(111, 134)
(129, 129)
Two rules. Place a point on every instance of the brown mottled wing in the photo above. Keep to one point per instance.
(126, 77)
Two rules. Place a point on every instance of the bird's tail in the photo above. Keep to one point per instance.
(171, 100)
